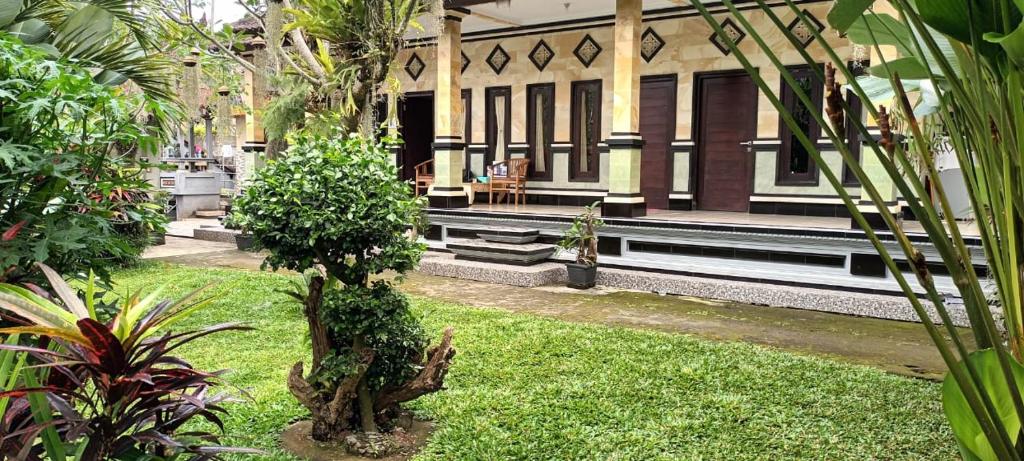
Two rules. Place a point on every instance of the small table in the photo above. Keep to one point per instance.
(474, 187)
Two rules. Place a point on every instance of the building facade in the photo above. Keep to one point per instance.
(635, 103)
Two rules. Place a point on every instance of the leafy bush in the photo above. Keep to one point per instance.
(70, 193)
(581, 236)
(108, 390)
(335, 202)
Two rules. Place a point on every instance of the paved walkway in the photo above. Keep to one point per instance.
(898, 347)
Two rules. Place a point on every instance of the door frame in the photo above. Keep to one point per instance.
(400, 160)
(674, 80)
(696, 184)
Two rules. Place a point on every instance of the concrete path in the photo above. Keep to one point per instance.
(898, 347)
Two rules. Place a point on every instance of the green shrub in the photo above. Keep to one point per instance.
(333, 203)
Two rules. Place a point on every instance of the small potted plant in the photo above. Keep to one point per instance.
(243, 240)
(581, 238)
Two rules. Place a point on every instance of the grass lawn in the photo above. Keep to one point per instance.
(525, 387)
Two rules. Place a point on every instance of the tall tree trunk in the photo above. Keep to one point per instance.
(366, 413)
(317, 330)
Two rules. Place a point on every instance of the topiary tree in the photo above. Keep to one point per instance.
(334, 203)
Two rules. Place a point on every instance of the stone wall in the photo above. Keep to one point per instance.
(687, 51)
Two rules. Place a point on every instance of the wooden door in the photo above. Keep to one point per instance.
(727, 117)
(657, 127)
(416, 115)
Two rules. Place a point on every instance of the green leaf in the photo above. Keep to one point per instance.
(85, 30)
(957, 18)
(9, 10)
(907, 68)
(845, 12)
(42, 414)
(884, 29)
(32, 31)
(963, 421)
(1012, 43)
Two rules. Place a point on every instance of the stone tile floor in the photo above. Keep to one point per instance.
(898, 347)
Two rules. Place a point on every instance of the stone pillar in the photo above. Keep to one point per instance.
(869, 161)
(449, 146)
(625, 143)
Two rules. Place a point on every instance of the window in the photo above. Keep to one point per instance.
(540, 127)
(499, 123)
(586, 129)
(795, 165)
(853, 140)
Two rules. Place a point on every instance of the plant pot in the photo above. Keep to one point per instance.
(244, 242)
(581, 276)
(158, 238)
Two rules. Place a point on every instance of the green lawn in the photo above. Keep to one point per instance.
(525, 387)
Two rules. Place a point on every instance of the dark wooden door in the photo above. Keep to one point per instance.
(727, 117)
(657, 127)
(416, 115)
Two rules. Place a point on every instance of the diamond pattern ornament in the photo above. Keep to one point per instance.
(414, 66)
(498, 59)
(465, 62)
(541, 55)
(650, 44)
(732, 32)
(587, 50)
(802, 32)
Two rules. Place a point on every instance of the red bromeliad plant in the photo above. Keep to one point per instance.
(110, 390)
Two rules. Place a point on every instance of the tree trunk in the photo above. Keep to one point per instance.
(317, 330)
(430, 379)
(366, 415)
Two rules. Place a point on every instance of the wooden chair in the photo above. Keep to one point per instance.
(424, 176)
(514, 182)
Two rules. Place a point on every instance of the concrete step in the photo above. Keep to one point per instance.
(445, 265)
(514, 235)
(209, 213)
(507, 253)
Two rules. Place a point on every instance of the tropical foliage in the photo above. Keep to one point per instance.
(333, 206)
(71, 192)
(98, 391)
(114, 37)
(339, 56)
(963, 61)
(581, 236)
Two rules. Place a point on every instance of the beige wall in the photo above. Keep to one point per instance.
(686, 52)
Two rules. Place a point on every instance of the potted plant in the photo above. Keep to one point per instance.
(581, 238)
(243, 240)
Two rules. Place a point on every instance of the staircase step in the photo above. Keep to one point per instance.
(498, 252)
(209, 213)
(516, 235)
